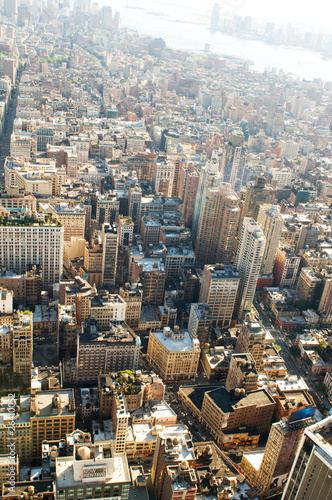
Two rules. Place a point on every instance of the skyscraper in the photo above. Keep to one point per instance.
(234, 160)
(248, 262)
(10, 8)
(218, 225)
(209, 177)
(110, 253)
(214, 23)
(311, 474)
(271, 223)
(219, 291)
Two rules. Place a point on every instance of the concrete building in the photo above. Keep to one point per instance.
(308, 285)
(26, 242)
(163, 177)
(252, 339)
(52, 417)
(271, 224)
(22, 424)
(257, 194)
(242, 373)
(174, 355)
(219, 290)
(310, 476)
(248, 262)
(110, 239)
(286, 267)
(132, 295)
(125, 229)
(200, 323)
(112, 351)
(106, 309)
(218, 225)
(93, 470)
(6, 301)
(234, 160)
(71, 217)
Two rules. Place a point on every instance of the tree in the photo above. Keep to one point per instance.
(302, 305)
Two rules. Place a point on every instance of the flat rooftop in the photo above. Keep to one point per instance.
(183, 343)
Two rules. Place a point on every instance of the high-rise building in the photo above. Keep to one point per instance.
(248, 262)
(132, 295)
(22, 332)
(134, 205)
(242, 373)
(271, 223)
(188, 196)
(200, 323)
(257, 194)
(163, 177)
(10, 8)
(218, 225)
(219, 290)
(286, 266)
(252, 339)
(268, 470)
(214, 23)
(28, 241)
(210, 176)
(311, 474)
(110, 253)
(234, 160)
(72, 218)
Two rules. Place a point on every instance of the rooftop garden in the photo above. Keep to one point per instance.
(49, 220)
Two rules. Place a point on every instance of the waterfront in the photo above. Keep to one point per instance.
(189, 31)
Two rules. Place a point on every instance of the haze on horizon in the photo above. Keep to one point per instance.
(315, 15)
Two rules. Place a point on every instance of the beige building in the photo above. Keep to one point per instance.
(252, 339)
(271, 223)
(219, 291)
(52, 417)
(72, 218)
(132, 295)
(22, 427)
(22, 332)
(174, 355)
(106, 308)
(242, 373)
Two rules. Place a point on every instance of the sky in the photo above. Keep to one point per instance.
(311, 13)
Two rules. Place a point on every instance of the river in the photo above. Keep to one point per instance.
(186, 29)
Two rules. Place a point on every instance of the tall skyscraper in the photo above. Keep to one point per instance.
(279, 454)
(248, 262)
(218, 225)
(214, 23)
(311, 474)
(110, 253)
(10, 8)
(271, 223)
(209, 177)
(234, 160)
(219, 291)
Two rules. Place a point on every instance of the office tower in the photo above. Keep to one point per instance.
(153, 278)
(188, 196)
(110, 253)
(218, 225)
(257, 194)
(143, 164)
(219, 290)
(93, 264)
(214, 23)
(174, 355)
(108, 209)
(248, 262)
(242, 373)
(234, 160)
(286, 266)
(311, 474)
(200, 323)
(10, 8)
(252, 339)
(106, 18)
(275, 120)
(271, 223)
(270, 473)
(29, 241)
(208, 177)
(134, 206)
(45, 135)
